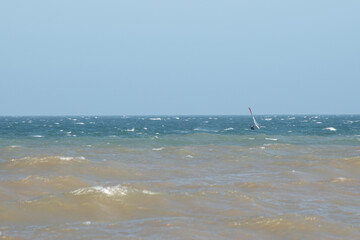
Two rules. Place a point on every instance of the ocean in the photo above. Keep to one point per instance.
(180, 177)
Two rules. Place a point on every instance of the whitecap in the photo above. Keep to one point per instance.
(145, 128)
(87, 223)
(228, 129)
(271, 139)
(177, 118)
(149, 192)
(341, 179)
(63, 158)
(110, 191)
(79, 123)
(37, 136)
(291, 118)
(157, 149)
(14, 146)
(268, 119)
(130, 130)
(155, 119)
(330, 128)
(189, 156)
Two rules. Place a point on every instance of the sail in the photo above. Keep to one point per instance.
(255, 123)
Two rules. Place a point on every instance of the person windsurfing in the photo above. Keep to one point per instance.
(255, 123)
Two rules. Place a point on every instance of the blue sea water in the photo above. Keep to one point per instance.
(342, 129)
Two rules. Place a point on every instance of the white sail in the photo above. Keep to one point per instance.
(255, 123)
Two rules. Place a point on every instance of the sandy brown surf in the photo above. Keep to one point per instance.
(271, 191)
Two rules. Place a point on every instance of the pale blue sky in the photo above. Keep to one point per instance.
(146, 57)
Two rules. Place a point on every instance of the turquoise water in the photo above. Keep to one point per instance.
(323, 129)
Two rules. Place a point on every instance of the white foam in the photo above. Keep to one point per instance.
(318, 122)
(341, 179)
(37, 136)
(228, 129)
(189, 156)
(271, 139)
(80, 123)
(108, 191)
(145, 128)
(14, 146)
(87, 223)
(291, 118)
(268, 119)
(149, 192)
(71, 158)
(330, 128)
(157, 149)
(130, 130)
(155, 119)
(177, 118)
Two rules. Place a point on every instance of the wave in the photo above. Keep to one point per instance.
(37, 136)
(130, 130)
(271, 139)
(97, 203)
(43, 161)
(282, 224)
(158, 149)
(35, 185)
(330, 129)
(110, 191)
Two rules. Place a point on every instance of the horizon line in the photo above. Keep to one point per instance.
(175, 115)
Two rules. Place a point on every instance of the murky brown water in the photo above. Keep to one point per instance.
(271, 191)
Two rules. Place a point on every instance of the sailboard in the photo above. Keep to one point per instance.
(255, 123)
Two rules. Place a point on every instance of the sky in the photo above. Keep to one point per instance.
(188, 57)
